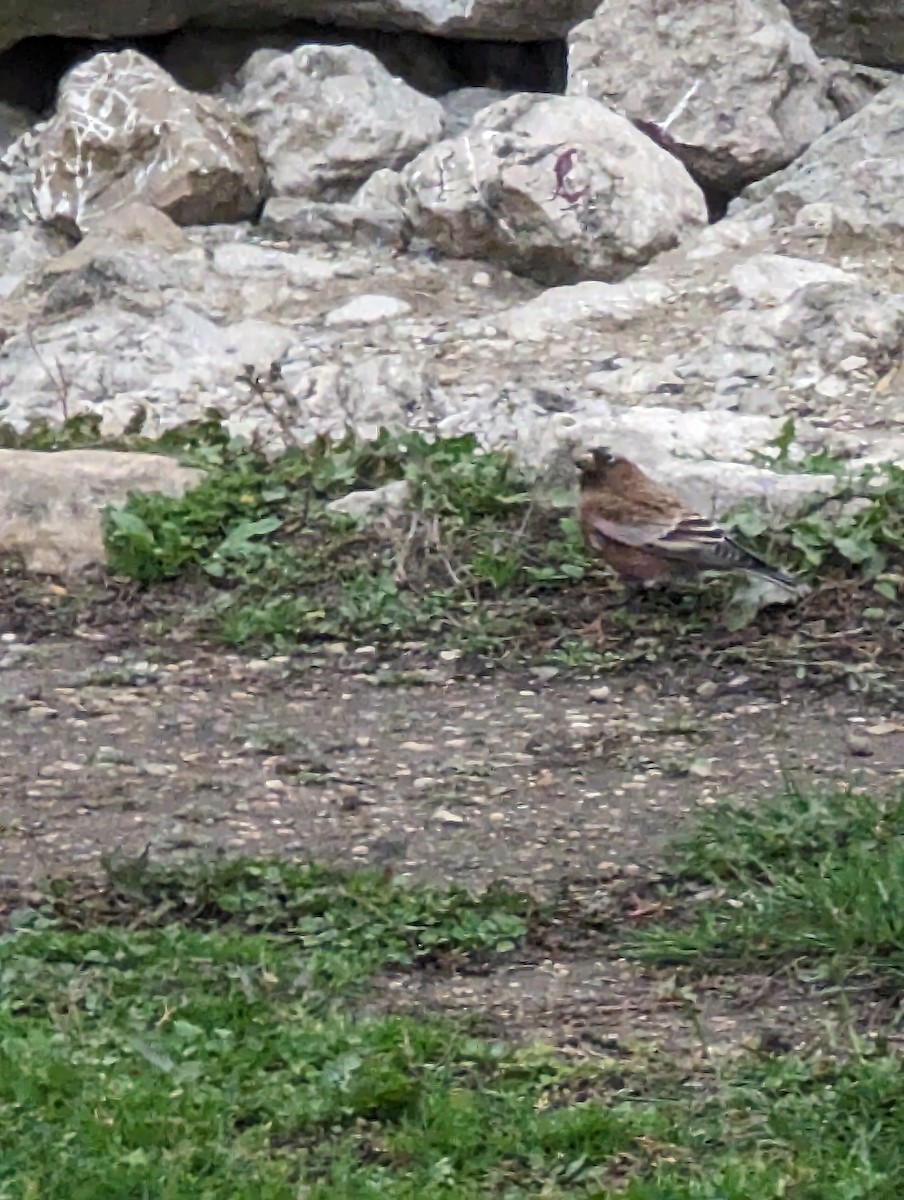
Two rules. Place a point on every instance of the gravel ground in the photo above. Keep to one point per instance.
(429, 770)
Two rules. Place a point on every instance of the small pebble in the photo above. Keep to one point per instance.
(859, 745)
(544, 674)
(447, 817)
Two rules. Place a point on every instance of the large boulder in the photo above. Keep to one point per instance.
(849, 182)
(737, 90)
(123, 130)
(558, 188)
(327, 117)
(51, 504)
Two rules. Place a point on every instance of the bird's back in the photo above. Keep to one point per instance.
(626, 494)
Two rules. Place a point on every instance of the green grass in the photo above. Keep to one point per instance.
(793, 1126)
(858, 526)
(813, 881)
(206, 1032)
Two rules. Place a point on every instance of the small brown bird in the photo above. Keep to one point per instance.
(648, 535)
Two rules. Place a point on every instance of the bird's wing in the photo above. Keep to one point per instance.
(693, 535)
(687, 538)
(688, 535)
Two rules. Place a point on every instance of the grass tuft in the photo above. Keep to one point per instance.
(814, 881)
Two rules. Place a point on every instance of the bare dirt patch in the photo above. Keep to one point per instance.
(424, 767)
(591, 1005)
(116, 740)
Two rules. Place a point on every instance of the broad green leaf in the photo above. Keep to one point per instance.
(240, 535)
(128, 523)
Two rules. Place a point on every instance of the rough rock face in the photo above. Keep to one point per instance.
(374, 216)
(124, 130)
(21, 254)
(462, 106)
(739, 91)
(559, 188)
(327, 117)
(51, 504)
(849, 181)
(313, 221)
(564, 307)
(864, 31)
(517, 20)
(852, 85)
(685, 345)
(690, 364)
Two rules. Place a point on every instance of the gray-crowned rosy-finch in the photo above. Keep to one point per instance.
(647, 534)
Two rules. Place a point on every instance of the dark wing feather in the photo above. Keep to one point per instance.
(693, 534)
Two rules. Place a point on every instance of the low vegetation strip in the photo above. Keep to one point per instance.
(471, 556)
(472, 560)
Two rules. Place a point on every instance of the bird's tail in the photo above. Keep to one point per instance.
(756, 566)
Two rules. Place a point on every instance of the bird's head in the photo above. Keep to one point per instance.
(594, 465)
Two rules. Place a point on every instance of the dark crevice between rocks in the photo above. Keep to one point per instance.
(208, 60)
(717, 199)
(510, 66)
(31, 69)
